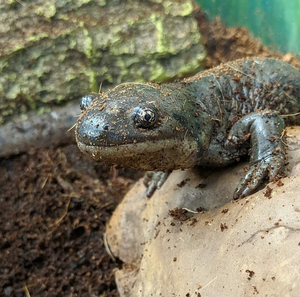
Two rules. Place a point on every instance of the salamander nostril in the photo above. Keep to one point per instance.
(92, 128)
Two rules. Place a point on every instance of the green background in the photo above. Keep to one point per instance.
(275, 22)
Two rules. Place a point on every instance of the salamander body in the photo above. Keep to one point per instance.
(210, 119)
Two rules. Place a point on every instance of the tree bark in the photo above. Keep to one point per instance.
(55, 51)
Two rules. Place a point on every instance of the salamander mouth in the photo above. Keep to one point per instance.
(116, 151)
(159, 156)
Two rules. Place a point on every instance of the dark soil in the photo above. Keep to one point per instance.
(55, 204)
(54, 207)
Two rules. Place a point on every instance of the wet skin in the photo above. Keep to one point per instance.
(211, 119)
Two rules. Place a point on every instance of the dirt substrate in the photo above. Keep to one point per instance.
(55, 204)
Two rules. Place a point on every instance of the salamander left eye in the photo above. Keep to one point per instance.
(144, 117)
(87, 100)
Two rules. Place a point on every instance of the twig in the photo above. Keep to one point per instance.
(72, 127)
(290, 115)
(209, 283)
(106, 246)
(100, 87)
(250, 76)
(58, 221)
(189, 210)
(26, 291)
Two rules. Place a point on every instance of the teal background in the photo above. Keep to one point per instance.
(275, 22)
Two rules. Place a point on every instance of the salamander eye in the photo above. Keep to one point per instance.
(144, 117)
(87, 100)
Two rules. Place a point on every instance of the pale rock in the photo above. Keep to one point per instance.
(235, 248)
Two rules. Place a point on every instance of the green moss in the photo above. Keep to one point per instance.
(158, 73)
(178, 9)
(102, 2)
(93, 81)
(160, 36)
(121, 47)
(187, 8)
(35, 38)
(85, 43)
(123, 71)
(158, 22)
(48, 10)
(117, 43)
(193, 66)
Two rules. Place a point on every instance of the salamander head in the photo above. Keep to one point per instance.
(138, 126)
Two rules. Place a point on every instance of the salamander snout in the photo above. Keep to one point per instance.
(92, 128)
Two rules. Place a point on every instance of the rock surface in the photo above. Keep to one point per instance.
(234, 248)
(55, 51)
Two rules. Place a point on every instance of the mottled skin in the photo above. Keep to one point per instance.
(210, 119)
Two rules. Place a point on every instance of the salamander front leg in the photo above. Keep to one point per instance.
(154, 180)
(267, 151)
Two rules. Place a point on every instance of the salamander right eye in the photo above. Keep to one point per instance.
(87, 100)
(144, 117)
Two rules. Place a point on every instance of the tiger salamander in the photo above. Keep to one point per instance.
(210, 119)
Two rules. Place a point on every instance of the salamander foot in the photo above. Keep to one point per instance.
(154, 180)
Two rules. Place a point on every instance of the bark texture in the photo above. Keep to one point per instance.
(55, 51)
